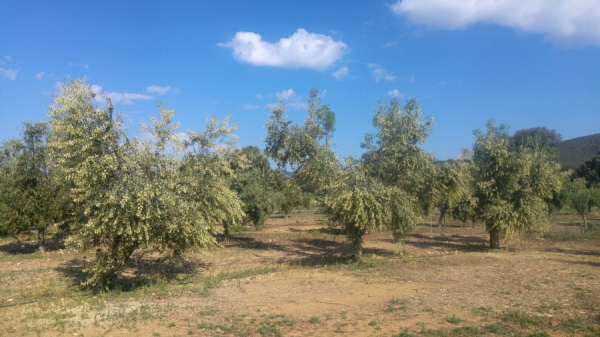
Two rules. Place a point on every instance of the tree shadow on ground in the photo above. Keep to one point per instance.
(458, 242)
(571, 251)
(306, 251)
(588, 263)
(138, 273)
(30, 247)
(322, 230)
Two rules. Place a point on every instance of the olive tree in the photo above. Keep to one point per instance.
(165, 194)
(360, 203)
(28, 184)
(450, 186)
(393, 154)
(511, 186)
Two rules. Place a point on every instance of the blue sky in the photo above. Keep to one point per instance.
(524, 63)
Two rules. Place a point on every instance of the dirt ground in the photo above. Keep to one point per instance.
(293, 278)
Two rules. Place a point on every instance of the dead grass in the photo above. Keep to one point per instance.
(294, 279)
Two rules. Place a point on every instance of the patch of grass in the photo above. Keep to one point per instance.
(493, 328)
(454, 319)
(339, 330)
(483, 311)
(396, 304)
(314, 320)
(269, 331)
(404, 333)
(429, 310)
(524, 319)
(373, 323)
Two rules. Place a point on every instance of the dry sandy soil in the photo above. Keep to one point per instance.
(293, 278)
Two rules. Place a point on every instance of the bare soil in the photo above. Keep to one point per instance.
(294, 278)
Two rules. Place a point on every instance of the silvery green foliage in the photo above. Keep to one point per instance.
(393, 154)
(449, 189)
(30, 194)
(161, 194)
(287, 143)
(357, 201)
(511, 186)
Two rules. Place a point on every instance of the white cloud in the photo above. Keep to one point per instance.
(285, 94)
(389, 44)
(323, 94)
(10, 74)
(379, 73)
(39, 75)
(568, 22)
(126, 98)
(259, 96)
(79, 65)
(158, 90)
(3, 58)
(292, 100)
(251, 107)
(301, 50)
(116, 97)
(396, 94)
(340, 73)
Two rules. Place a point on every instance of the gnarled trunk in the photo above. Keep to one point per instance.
(494, 238)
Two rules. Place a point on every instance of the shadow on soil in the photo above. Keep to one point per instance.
(139, 272)
(461, 243)
(305, 251)
(30, 247)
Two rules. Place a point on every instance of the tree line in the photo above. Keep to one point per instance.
(80, 173)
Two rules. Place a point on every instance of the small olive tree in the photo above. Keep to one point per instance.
(164, 195)
(511, 186)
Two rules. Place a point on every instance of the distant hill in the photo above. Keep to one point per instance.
(576, 151)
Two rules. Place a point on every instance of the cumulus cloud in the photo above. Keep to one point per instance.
(285, 94)
(340, 73)
(158, 90)
(568, 22)
(396, 94)
(301, 50)
(79, 65)
(251, 107)
(39, 75)
(9, 74)
(379, 73)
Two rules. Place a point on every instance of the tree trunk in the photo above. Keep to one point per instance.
(585, 227)
(226, 230)
(41, 241)
(120, 258)
(494, 239)
(442, 213)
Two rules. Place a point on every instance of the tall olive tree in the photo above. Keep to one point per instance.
(359, 203)
(164, 195)
(29, 184)
(393, 154)
(511, 185)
